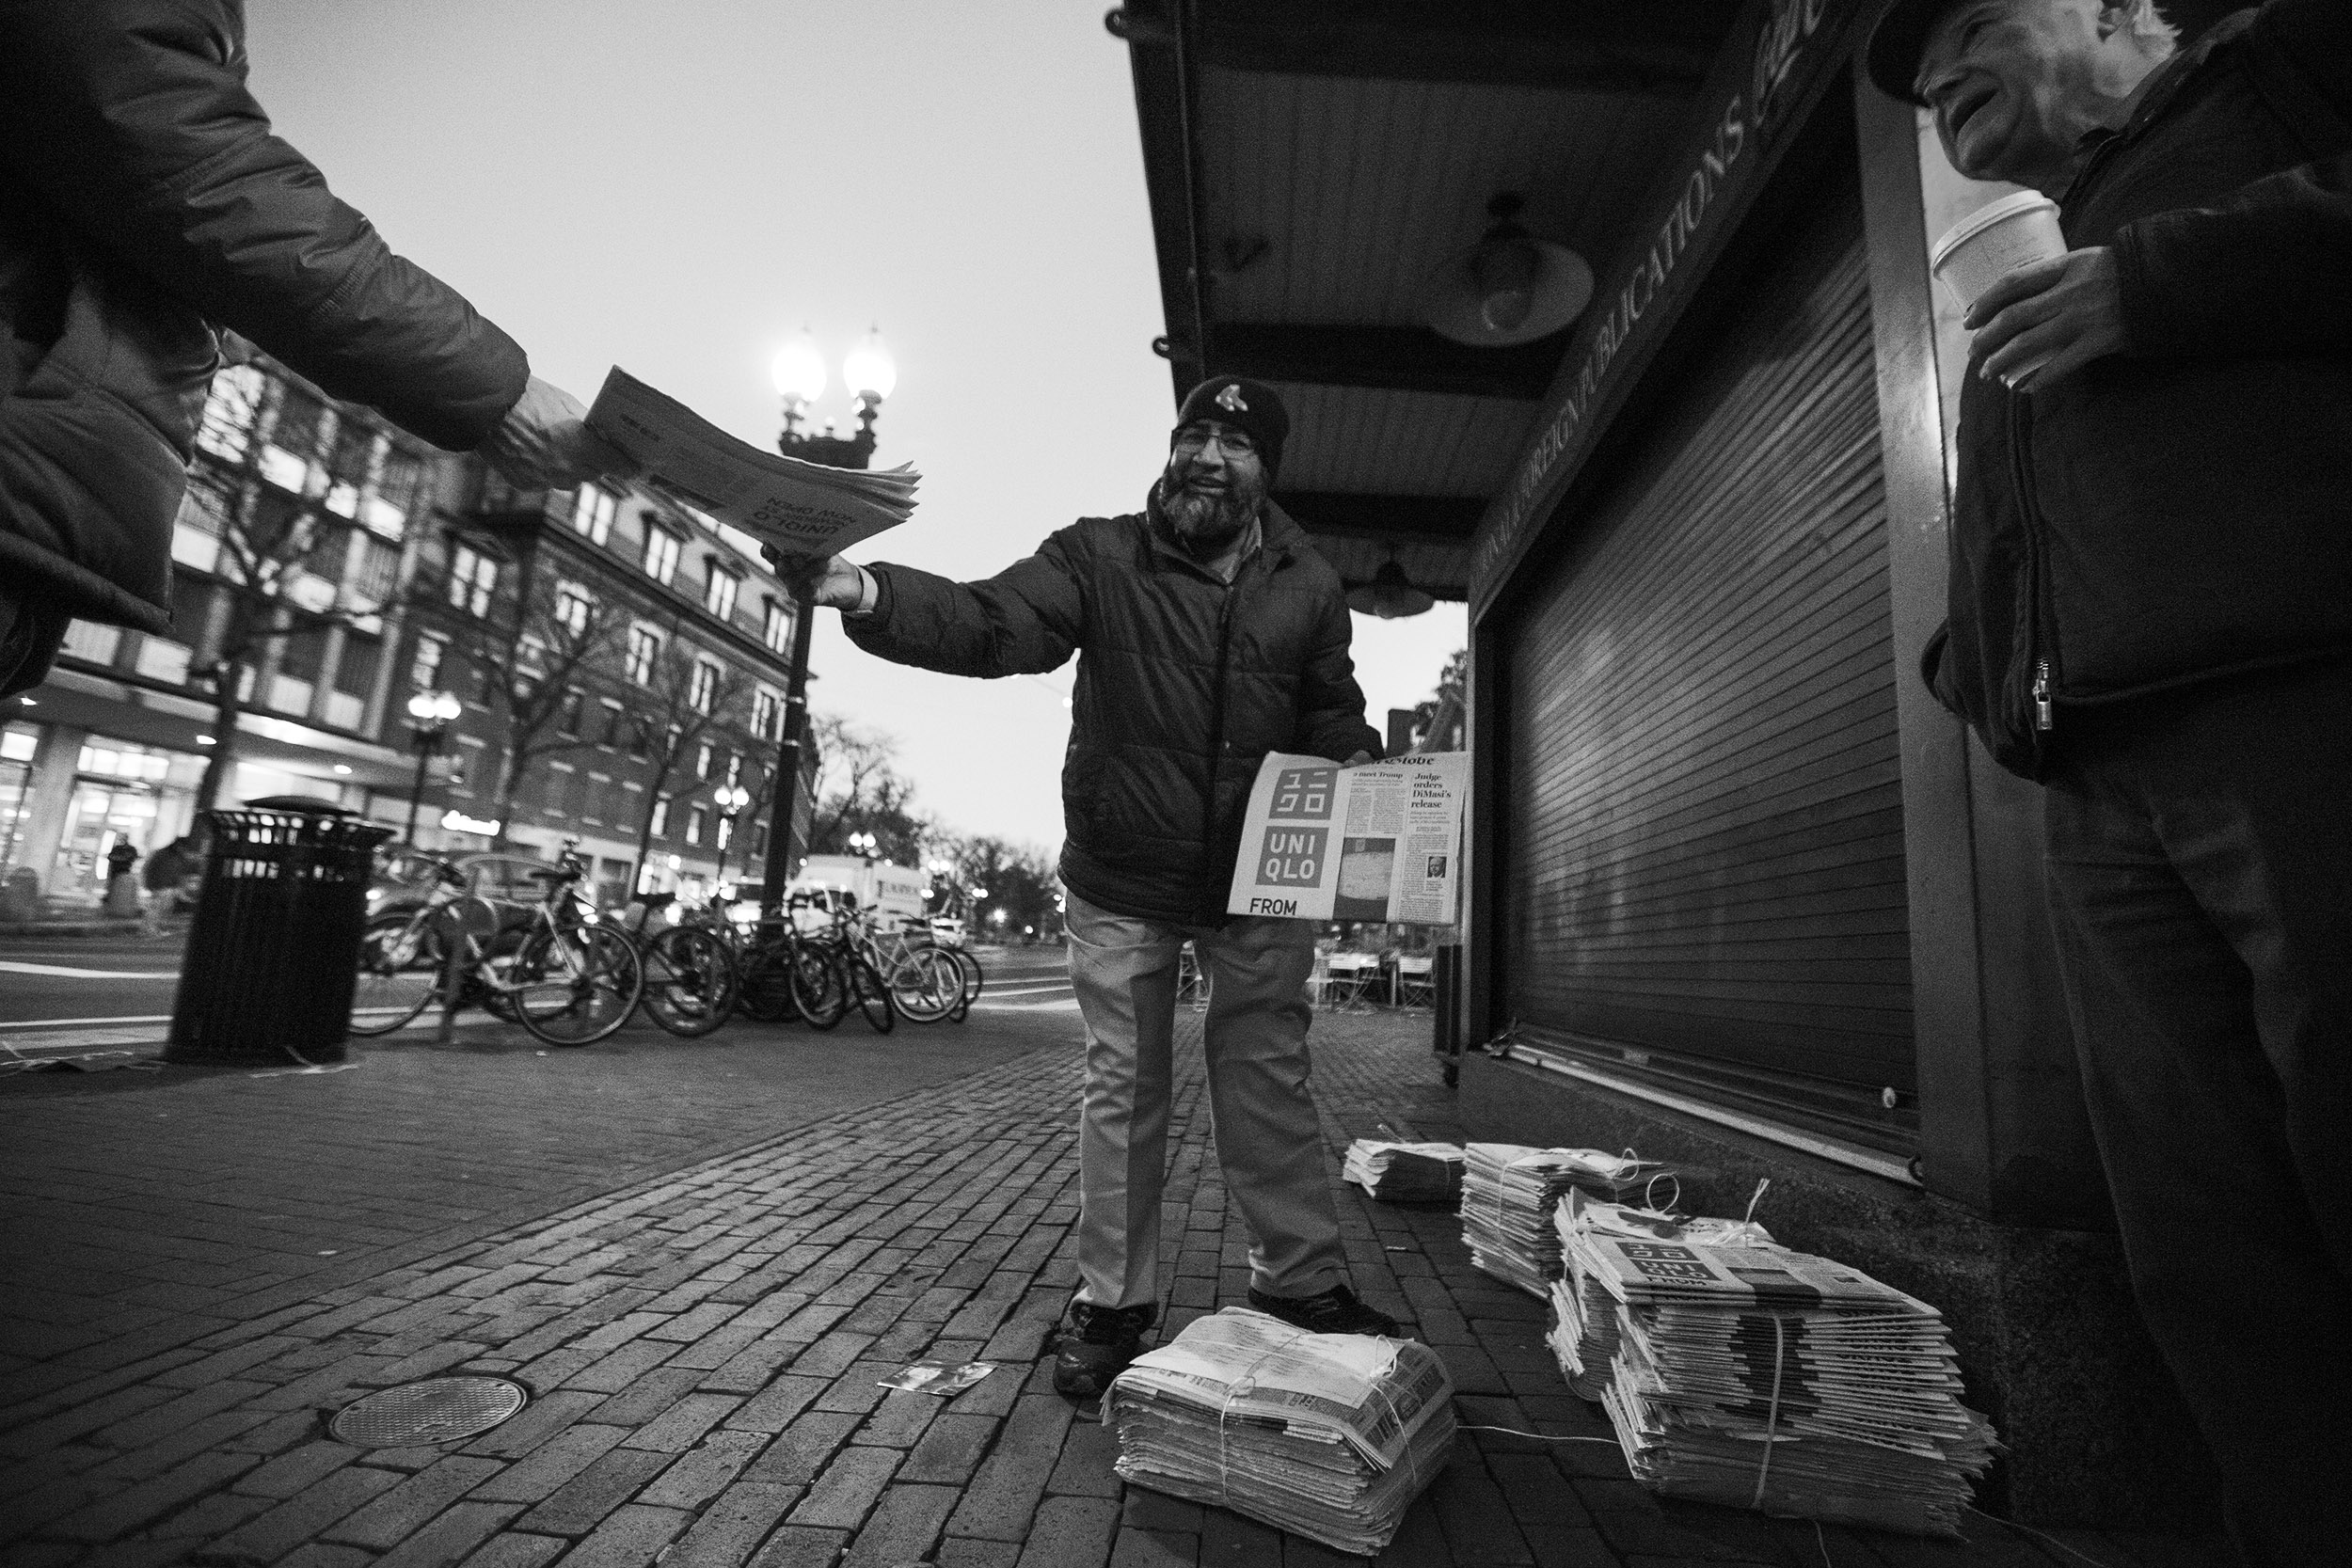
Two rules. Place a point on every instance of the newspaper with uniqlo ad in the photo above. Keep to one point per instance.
(1380, 841)
(801, 508)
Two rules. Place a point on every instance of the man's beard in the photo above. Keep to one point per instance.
(1208, 524)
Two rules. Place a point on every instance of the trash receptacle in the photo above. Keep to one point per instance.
(273, 953)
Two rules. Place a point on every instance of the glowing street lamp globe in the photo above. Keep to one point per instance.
(434, 707)
(799, 371)
(870, 372)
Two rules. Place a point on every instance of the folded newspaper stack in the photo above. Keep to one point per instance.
(1327, 1436)
(1508, 1193)
(801, 508)
(1405, 1173)
(1583, 1335)
(1764, 1378)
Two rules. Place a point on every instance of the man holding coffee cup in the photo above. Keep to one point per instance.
(2151, 614)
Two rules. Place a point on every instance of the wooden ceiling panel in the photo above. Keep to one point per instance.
(1355, 438)
(1331, 200)
(1442, 570)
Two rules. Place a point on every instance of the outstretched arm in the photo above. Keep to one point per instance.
(133, 123)
(1027, 619)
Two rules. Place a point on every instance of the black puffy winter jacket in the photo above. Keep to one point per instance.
(144, 202)
(2183, 509)
(1184, 684)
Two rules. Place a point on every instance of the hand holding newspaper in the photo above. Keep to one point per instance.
(1380, 841)
(803, 509)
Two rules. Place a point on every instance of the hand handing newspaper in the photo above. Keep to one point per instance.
(801, 508)
(1381, 841)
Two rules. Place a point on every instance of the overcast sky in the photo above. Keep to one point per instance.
(677, 188)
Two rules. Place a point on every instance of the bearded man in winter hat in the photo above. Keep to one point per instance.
(1208, 633)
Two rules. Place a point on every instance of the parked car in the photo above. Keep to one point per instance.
(402, 879)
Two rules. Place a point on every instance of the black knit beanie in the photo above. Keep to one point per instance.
(1247, 406)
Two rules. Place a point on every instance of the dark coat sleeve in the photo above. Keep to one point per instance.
(1027, 619)
(1330, 704)
(2265, 271)
(131, 120)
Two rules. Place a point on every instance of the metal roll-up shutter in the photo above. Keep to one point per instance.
(1703, 833)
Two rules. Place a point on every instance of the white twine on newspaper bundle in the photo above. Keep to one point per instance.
(1234, 1390)
(1246, 1384)
(1771, 1421)
(1649, 1191)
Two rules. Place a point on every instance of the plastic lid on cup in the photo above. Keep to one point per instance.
(1986, 217)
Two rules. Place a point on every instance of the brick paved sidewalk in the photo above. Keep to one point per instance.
(703, 1350)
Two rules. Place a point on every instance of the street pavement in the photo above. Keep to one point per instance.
(700, 1256)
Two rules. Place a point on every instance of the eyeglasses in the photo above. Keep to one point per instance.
(1192, 440)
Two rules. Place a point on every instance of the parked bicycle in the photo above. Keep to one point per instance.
(860, 981)
(691, 977)
(924, 981)
(787, 970)
(570, 982)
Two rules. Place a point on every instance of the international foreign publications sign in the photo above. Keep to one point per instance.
(1792, 41)
(1379, 841)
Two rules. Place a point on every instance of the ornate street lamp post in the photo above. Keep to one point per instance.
(799, 378)
(430, 715)
(730, 800)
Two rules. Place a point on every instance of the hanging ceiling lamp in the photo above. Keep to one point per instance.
(1389, 594)
(1509, 288)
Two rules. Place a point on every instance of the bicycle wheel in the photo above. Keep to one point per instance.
(575, 987)
(690, 981)
(820, 987)
(927, 985)
(765, 992)
(400, 972)
(974, 979)
(871, 995)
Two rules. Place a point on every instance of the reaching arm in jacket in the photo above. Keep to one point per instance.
(130, 120)
(1027, 619)
(2268, 270)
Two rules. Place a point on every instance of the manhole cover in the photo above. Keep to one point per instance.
(438, 1410)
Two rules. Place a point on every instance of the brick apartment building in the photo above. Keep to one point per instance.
(394, 568)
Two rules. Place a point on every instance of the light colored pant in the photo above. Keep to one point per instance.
(1268, 1137)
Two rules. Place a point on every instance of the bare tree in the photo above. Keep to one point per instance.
(1438, 718)
(683, 698)
(1018, 883)
(859, 789)
(279, 566)
(548, 663)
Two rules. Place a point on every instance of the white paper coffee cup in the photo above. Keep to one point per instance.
(1994, 241)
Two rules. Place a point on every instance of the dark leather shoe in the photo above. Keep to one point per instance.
(1335, 1311)
(1095, 1345)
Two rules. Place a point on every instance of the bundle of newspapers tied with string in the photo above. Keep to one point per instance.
(1405, 1173)
(1509, 1192)
(1584, 1333)
(1741, 1372)
(1326, 1435)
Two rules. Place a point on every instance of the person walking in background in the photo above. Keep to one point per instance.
(144, 203)
(2151, 614)
(1209, 633)
(122, 889)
